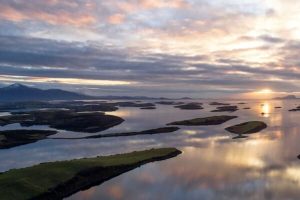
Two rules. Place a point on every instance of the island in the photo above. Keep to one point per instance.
(214, 120)
(295, 109)
(13, 138)
(145, 132)
(226, 109)
(57, 180)
(103, 107)
(148, 108)
(169, 103)
(77, 106)
(190, 106)
(69, 120)
(218, 104)
(133, 104)
(247, 128)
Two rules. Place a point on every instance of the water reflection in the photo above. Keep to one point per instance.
(265, 109)
(212, 166)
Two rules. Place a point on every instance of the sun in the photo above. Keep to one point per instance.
(265, 91)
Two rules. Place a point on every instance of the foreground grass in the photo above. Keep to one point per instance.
(55, 180)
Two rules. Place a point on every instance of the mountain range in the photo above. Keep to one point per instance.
(20, 92)
(286, 97)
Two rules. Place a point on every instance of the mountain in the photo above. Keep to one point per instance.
(19, 92)
(186, 98)
(286, 97)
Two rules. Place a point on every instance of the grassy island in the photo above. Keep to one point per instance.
(247, 127)
(90, 122)
(214, 120)
(190, 106)
(13, 138)
(56, 180)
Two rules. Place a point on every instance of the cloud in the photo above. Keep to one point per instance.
(50, 12)
(165, 47)
(116, 19)
(133, 6)
(271, 39)
(52, 62)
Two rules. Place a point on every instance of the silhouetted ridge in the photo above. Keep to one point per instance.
(19, 92)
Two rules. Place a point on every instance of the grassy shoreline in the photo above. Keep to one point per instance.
(56, 180)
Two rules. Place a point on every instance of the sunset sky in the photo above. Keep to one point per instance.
(171, 48)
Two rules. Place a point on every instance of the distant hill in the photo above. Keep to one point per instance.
(19, 92)
(286, 97)
(186, 98)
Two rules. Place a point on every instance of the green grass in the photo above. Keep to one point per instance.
(26, 183)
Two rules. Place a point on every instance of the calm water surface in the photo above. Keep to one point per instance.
(213, 166)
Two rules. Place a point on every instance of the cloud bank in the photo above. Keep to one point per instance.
(152, 47)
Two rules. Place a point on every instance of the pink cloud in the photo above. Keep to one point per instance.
(59, 17)
(133, 6)
(116, 19)
(148, 4)
(11, 14)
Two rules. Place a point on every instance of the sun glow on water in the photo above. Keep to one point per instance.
(265, 109)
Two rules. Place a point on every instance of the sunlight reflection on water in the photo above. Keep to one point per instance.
(265, 109)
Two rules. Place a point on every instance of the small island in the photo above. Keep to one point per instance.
(13, 138)
(247, 127)
(77, 106)
(226, 109)
(295, 109)
(69, 120)
(169, 103)
(190, 106)
(218, 104)
(148, 108)
(214, 120)
(146, 132)
(57, 180)
(134, 105)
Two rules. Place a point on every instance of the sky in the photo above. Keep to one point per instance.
(169, 48)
